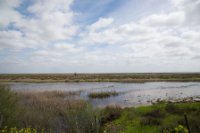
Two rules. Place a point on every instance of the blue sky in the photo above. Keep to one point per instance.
(61, 36)
(90, 11)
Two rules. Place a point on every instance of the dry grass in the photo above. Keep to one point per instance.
(56, 111)
(53, 101)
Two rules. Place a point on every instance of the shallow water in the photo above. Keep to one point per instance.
(131, 94)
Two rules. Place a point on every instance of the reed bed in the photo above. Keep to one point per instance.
(49, 111)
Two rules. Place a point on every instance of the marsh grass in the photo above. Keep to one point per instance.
(51, 112)
(103, 94)
(57, 112)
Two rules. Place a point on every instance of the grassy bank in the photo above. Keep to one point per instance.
(57, 112)
(159, 118)
(111, 77)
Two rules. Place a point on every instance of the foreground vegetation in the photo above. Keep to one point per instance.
(49, 112)
(159, 118)
(57, 112)
(111, 77)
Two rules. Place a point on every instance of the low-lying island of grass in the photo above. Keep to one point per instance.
(59, 112)
(103, 94)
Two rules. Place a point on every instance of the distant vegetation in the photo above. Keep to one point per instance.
(103, 94)
(57, 112)
(112, 77)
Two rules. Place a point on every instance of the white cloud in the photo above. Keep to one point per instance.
(51, 21)
(11, 39)
(192, 12)
(166, 20)
(42, 7)
(191, 9)
(67, 47)
(118, 35)
(8, 14)
(58, 52)
(101, 23)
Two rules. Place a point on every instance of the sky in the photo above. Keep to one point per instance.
(104, 36)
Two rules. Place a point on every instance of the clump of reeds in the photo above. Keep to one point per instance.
(103, 94)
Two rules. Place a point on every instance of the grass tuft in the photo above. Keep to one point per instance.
(103, 94)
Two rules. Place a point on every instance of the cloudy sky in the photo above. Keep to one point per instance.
(54, 36)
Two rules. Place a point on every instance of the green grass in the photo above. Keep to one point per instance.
(159, 118)
(103, 94)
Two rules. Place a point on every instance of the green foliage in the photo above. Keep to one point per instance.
(180, 129)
